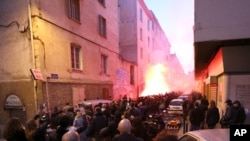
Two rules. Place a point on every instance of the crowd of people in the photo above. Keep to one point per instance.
(120, 120)
(207, 113)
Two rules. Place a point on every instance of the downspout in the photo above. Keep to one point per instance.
(33, 51)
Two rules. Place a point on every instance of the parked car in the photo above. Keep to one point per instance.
(185, 97)
(207, 135)
(175, 106)
(93, 103)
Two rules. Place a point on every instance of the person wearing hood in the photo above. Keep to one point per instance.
(239, 116)
(98, 122)
(227, 118)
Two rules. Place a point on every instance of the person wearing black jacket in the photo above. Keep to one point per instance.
(139, 130)
(213, 115)
(98, 122)
(227, 118)
(124, 128)
(111, 130)
(14, 130)
(36, 128)
(239, 116)
(195, 117)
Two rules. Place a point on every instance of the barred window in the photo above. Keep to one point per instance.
(74, 9)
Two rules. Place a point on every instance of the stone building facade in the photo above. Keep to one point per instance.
(66, 51)
(72, 44)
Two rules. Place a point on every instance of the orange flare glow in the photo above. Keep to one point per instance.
(155, 81)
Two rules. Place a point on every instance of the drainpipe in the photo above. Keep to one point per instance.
(33, 51)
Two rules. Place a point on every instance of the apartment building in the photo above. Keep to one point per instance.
(222, 47)
(142, 40)
(60, 52)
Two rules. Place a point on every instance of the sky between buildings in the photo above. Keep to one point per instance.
(176, 18)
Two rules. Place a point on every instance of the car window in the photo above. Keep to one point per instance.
(176, 103)
(187, 138)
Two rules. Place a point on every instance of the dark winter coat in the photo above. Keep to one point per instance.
(98, 122)
(18, 136)
(195, 117)
(239, 115)
(226, 120)
(212, 117)
(111, 130)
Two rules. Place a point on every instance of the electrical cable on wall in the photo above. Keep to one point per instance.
(21, 29)
(14, 22)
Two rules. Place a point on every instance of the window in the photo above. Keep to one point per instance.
(148, 25)
(141, 33)
(102, 2)
(141, 53)
(132, 75)
(75, 56)
(148, 42)
(141, 16)
(153, 42)
(74, 9)
(104, 64)
(102, 26)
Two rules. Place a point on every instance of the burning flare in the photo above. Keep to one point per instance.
(155, 82)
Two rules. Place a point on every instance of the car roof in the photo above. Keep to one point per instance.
(185, 96)
(96, 101)
(177, 99)
(210, 134)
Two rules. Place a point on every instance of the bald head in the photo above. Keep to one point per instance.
(71, 136)
(124, 126)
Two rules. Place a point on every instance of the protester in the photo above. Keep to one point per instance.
(139, 130)
(71, 136)
(124, 127)
(213, 115)
(84, 120)
(36, 128)
(203, 106)
(196, 117)
(78, 119)
(227, 118)
(111, 130)
(14, 130)
(98, 122)
(239, 116)
(64, 125)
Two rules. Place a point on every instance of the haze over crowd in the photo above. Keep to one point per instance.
(176, 18)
